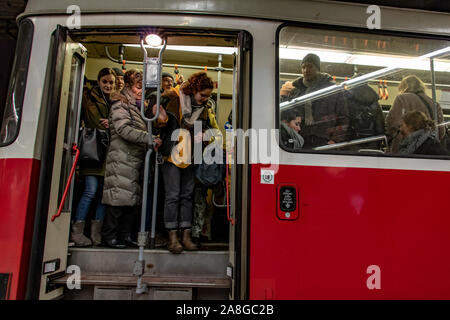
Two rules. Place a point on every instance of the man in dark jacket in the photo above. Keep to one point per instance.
(324, 120)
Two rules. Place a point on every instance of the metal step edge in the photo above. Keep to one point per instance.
(146, 251)
(174, 282)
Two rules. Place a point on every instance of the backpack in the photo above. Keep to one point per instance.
(362, 122)
(210, 175)
(366, 116)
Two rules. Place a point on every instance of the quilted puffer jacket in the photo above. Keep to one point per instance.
(126, 154)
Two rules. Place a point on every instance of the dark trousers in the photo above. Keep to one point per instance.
(179, 188)
(119, 222)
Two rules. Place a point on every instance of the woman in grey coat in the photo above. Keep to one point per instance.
(122, 192)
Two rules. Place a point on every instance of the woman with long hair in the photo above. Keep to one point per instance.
(412, 97)
(193, 104)
(96, 106)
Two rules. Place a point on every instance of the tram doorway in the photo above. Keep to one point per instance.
(108, 273)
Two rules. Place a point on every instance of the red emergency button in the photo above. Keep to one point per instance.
(287, 202)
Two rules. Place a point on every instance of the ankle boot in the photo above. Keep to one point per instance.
(77, 235)
(96, 228)
(174, 245)
(187, 241)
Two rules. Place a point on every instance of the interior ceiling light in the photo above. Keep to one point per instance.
(199, 49)
(415, 63)
(153, 40)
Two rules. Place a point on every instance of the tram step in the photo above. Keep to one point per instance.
(158, 263)
(167, 282)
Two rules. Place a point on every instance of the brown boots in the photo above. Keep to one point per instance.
(187, 241)
(80, 239)
(96, 230)
(77, 235)
(175, 246)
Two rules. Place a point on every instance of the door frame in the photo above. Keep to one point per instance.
(52, 122)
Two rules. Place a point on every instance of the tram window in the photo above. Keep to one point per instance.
(76, 81)
(14, 102)
(348, 92)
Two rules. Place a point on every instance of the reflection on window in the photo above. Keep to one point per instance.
(345, 91)
(16, 91)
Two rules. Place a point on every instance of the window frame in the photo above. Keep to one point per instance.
(23, 51)
(319, 26)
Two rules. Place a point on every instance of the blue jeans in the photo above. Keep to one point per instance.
(90, 189)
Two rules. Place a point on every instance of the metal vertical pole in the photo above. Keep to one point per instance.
(155, 204)
(219, 81)
(433, 94)
(142, 236)
(235, 151)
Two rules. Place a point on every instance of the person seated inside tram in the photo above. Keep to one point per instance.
(412, 97)
(96, 106)
(290, 128)
(324, 120)
(418, 131)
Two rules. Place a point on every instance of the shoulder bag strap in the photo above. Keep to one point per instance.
(430, 110)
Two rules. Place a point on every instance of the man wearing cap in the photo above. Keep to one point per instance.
(120, 82)
(324, 120)
(167, 82)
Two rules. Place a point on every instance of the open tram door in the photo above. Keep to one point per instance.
(239, 171)
(60, 116)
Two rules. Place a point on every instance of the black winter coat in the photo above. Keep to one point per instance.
(330, 114)
(366, 115)
(431, 147)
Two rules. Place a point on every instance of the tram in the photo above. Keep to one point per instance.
(345, 220)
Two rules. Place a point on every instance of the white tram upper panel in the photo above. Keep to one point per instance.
(314, 11)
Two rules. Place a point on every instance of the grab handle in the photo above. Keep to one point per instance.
(72, 171)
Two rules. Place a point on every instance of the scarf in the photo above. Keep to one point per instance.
(310, 87)
(414, 141)
(189, 110)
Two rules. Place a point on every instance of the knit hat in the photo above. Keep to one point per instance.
(166, 74)
(118, 72)
(312, 58)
